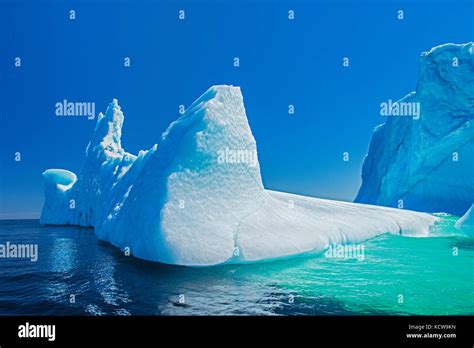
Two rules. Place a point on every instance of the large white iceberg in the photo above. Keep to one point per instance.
(197, 197)
(426, 163)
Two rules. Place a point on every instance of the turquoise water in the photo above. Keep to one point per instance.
(398, 275)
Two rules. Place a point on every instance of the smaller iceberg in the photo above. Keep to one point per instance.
(466, 222)
(425, 162)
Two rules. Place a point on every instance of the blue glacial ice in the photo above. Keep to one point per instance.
(427, 163)
(197, 197)
(466, 222)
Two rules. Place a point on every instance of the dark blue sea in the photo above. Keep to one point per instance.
(76, 274)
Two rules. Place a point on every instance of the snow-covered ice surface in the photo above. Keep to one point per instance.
(197, 197)
(427, 164)
(466, 222)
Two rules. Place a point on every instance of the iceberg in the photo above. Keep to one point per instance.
(466, 222)
(425, 163)
(197, 197)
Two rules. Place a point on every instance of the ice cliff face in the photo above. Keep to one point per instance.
(197, 197)
(427, 163)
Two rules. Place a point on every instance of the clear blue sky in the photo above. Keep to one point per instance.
(173, 62)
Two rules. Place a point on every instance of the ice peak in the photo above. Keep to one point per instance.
(108, 130)
(225, 88)
(448, 47)
(216, 92)
(449, 66)
(220, 105)
(114, 105)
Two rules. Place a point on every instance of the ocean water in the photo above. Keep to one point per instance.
(396, 276)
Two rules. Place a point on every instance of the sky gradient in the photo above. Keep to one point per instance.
(174, 61)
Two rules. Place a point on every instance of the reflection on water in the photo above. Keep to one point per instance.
(62, 260)
(112, 293)
(63, 255)
(103, 281)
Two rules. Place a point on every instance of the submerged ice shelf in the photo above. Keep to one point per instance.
(184, 202)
